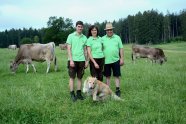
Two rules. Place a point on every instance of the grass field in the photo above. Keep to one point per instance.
(153, 94)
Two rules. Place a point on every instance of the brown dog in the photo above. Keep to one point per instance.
(98, 89)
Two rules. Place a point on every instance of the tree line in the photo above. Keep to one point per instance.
(142, 28)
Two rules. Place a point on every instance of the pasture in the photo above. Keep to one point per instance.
(152, 93)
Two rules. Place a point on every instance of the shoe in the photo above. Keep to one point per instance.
(79, 96)
(73, 96)
(118, 93)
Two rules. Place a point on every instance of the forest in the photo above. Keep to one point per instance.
(149, 27)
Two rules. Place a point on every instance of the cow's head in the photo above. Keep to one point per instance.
(13, 66)
(165, 58)
(162, 60)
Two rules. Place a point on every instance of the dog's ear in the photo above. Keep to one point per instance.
(95, 79)
(89, 77)
(85, 81)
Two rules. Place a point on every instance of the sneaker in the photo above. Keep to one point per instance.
(118, 93)
(73, 96)
(79, 96)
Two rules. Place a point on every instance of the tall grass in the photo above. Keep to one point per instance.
(152, 93)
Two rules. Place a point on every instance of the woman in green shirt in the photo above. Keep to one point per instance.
(95, 53)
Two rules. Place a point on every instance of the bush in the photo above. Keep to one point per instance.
(25, 40)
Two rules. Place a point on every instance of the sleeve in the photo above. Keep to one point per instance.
(69, 40)
(120, 42)
(85, 41)
(88, 42)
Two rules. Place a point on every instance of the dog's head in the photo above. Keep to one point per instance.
(92, 82)
(89, 84)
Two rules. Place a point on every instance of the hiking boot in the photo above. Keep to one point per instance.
(73, 96)
(118, 93)
(79, 96)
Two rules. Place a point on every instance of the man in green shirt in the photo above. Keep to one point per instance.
(113, 52)
(76, 59)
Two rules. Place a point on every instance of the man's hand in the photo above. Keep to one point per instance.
(96, 65)
(72, 64)
(86, 64)
(121, 62)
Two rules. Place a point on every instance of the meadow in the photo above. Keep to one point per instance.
(152, 93)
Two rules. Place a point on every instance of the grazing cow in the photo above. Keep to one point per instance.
(63, 46)
(13, 47)
(154, 54)
(34, 52)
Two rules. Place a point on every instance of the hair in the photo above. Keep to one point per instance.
(90, 28)
(79, 23)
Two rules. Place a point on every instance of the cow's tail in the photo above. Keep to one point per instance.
(132, 57)
(53, 53)
(54, 56)
(55, 62)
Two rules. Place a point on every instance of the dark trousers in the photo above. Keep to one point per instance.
(98, 73)
(77, 70)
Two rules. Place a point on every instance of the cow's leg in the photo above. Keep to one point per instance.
(48, 66)
(147, 60)
(33, 67)
(55, 63)
(153, 60)
(133, 58)
(27, 68)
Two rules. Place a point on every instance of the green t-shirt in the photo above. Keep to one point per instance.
(111, 47)
(77, 43)
(96, 46)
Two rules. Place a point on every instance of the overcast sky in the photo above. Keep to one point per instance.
(35, 13)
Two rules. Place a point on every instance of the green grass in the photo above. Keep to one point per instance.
(152, 93)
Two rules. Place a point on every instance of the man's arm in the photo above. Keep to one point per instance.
(91, 58)
(121, 56)
(70, 55)
(86, 57)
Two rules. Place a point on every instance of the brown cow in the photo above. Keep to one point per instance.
(34, 52)
(154, 54)
(63, 46)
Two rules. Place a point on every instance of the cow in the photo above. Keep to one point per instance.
(154, 54)
(13, 47)
(34, 52)
(63, 46)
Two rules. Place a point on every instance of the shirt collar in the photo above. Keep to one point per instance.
(94, 37)
(111, 36)
(75, 33)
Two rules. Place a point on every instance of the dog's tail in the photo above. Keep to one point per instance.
(116, 97)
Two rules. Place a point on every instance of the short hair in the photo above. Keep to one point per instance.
(79, 23)
(90, 28)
